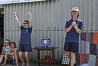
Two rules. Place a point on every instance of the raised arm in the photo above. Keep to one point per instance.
(30, 21)
(14, 14)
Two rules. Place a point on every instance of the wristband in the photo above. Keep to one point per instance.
(14, 16)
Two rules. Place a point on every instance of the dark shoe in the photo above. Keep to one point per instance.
(13, 63)
(75, 64)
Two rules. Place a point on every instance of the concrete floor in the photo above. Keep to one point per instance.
(31, 64)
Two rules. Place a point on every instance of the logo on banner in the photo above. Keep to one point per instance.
(17, 1)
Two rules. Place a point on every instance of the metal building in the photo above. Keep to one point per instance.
(48, 21)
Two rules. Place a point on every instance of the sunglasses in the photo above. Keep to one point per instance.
(74, 11)
(25, 23)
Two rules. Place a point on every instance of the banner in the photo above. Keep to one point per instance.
(17, 1)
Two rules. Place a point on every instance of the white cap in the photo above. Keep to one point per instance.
(7, 40)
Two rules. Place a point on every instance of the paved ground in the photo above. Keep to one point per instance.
(31, 64)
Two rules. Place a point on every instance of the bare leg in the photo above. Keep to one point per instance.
(27, 58)
(69, 54)
(1, 58)
(73, 58)
(5, 59)
(21, 58)
(16, 58)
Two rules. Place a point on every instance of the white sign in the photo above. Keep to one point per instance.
(17, 1)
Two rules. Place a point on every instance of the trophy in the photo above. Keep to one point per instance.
(45, 42)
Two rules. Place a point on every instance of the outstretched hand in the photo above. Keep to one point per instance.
(29, 13)
(14, 14)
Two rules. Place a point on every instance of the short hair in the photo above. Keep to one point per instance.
(26, 21)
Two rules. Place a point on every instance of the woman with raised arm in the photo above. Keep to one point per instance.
(25, 39)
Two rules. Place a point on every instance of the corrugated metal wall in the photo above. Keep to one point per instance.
(48, 21)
